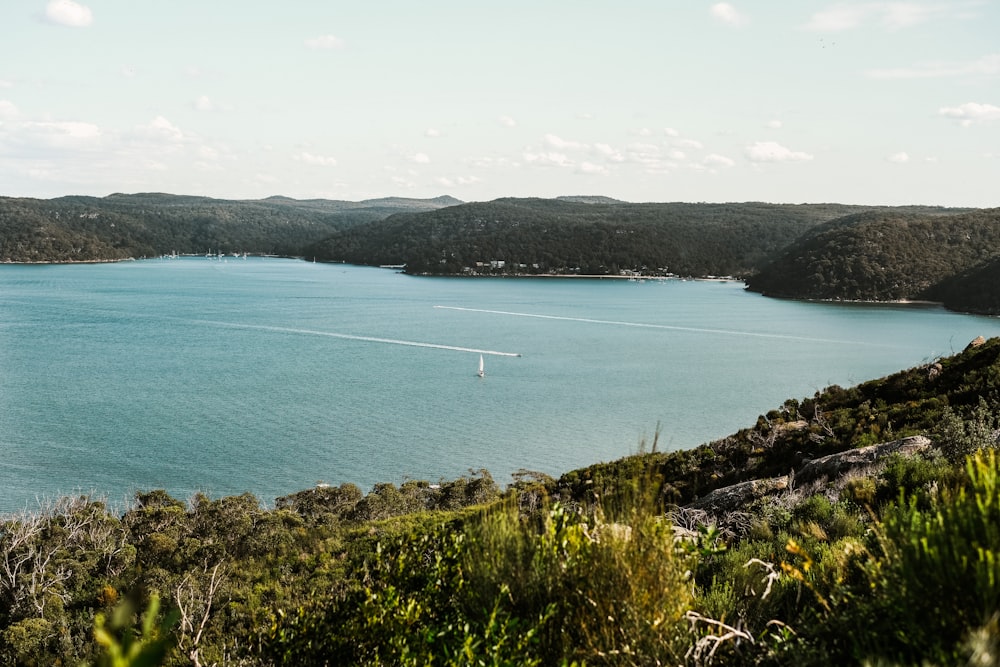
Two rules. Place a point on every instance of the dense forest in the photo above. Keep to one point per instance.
(120, 226)
(580, 235)
(811, 251)
(857, 526)
(893, 255)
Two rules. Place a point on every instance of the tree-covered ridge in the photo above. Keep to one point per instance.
(897, 562)
(889, 255)
(590, 236)
(79, 229)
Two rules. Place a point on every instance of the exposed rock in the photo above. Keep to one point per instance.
(830, 468)
(976, 342)
(934, 370)
(835, 465)
(733, 497)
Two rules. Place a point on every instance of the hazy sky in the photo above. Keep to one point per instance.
(673, 100)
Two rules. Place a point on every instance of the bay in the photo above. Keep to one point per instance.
(268, 375)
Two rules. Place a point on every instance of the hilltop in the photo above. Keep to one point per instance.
(891, 256)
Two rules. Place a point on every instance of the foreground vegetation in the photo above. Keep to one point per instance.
(627, 563)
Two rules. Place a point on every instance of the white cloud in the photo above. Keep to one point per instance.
(671, 132)
(507, 121)
(68, 13)
(492, 162)
(325, 43)
(772, 151)
(689, 143)
(402, 182)
(609, 153)
(897, 15)
(775, 124)
(208, 153)
(716, 160)
(204, 103)
(316, 160)
(563, 144)
(971, 112)
(163, 129)
(838, 17)
(548, 159)
(890, 15)
(591, 168)
(899, 158)
(420, 158)
(986, 66)
(726, 13)
(6, 84)
(64, 135)
(649, 156)
(7, 109)
(451, 182)
(675, 154)
(432, 132)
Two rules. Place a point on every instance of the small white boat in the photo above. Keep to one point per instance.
(481, 372)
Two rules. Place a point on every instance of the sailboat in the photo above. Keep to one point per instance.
(481, 372)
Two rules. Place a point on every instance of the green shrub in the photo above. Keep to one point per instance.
(959, 437)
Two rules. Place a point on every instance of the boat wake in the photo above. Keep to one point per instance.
(365, 339)
(644, 325)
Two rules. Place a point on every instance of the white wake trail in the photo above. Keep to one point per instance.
(366, 339)
(645, 325)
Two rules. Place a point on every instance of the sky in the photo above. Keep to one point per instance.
(675, 100)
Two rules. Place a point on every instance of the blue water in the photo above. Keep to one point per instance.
(269, 375)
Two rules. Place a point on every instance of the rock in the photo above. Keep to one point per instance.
(827, 468)
(976, 342)
(730, 498)
(835, 465)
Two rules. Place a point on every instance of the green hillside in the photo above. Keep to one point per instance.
(594, 236)
(79, 229)
(893, 255)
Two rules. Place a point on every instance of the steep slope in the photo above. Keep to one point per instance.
(888, 255)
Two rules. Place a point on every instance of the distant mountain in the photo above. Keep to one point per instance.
(885, 255)
(79, 228)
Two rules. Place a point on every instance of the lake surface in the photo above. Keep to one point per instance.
(270, 375)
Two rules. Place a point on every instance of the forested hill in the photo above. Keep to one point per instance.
(119, 226)
(894, 255)
(584, 235)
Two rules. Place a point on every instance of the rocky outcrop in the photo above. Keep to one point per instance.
(828, 469)
(976, 342)
(730, 498)
(837, 465)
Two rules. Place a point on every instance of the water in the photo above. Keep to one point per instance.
(269, 375)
